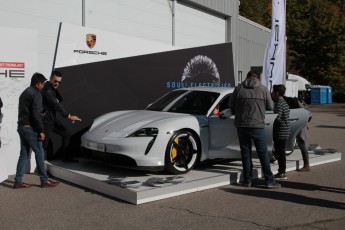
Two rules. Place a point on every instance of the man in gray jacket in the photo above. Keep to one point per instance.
(249, 102)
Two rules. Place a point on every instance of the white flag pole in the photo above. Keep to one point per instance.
(274, 71)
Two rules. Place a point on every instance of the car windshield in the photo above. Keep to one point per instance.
(193, 102)
(164, 101)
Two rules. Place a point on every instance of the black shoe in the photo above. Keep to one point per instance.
(69, 160)
(273, 185)
(245, 184)
(281, 176)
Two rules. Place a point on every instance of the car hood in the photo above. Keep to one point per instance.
(123, 123)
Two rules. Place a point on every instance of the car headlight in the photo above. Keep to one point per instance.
(145, 132)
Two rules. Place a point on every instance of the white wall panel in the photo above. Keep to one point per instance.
(149, 19)
(43, 16)
(197, 28)
(252, 41)
(227, 7)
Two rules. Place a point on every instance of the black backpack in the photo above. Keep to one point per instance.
(292, 102)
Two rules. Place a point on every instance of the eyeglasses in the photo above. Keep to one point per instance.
(59, 82)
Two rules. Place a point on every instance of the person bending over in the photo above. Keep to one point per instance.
(51, 106)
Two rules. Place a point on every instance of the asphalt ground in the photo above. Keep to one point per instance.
(309, 200)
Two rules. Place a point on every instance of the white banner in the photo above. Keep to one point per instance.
(18, 62)
(274, 60)
(80, 45)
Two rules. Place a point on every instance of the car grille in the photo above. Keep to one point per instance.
(110, 158)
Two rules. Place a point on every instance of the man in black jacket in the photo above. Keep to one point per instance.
(30, 129)
(52, 105)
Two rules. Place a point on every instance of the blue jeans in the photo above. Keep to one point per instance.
(245, 136)
(29, 140)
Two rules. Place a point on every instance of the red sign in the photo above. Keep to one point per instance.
(15, 65)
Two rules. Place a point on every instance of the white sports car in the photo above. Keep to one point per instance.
(176, 132)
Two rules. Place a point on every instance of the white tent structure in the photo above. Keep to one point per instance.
(301, 82)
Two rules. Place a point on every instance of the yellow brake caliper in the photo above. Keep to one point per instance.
(174, 150)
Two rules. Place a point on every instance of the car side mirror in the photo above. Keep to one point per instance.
(226, 113)
(148, 105)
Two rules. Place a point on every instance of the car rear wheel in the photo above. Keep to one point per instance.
(290, 151)
(183, 152)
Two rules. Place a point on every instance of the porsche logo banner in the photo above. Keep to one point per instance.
(81, 45)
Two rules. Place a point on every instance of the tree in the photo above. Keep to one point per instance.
(258, 11)
(315, 31)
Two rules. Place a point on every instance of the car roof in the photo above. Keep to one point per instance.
(221, 90)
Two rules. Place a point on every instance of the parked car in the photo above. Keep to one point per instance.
(176, 132)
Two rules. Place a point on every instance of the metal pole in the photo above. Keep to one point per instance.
(83, 13)
(172, 9)
(285, 42)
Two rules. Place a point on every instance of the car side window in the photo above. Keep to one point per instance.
(221, 106)
(224, 104)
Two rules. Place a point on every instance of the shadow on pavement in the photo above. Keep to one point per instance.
(289, 197)
(7, 183)
(310, 187)
(331, 126)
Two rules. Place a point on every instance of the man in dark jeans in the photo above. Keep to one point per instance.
(249, 102)
(30, 129)
(52, 105)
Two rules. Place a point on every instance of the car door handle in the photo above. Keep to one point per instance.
(267, 124)
(293, 119)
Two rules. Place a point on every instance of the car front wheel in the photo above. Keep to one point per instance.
(183, 152)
